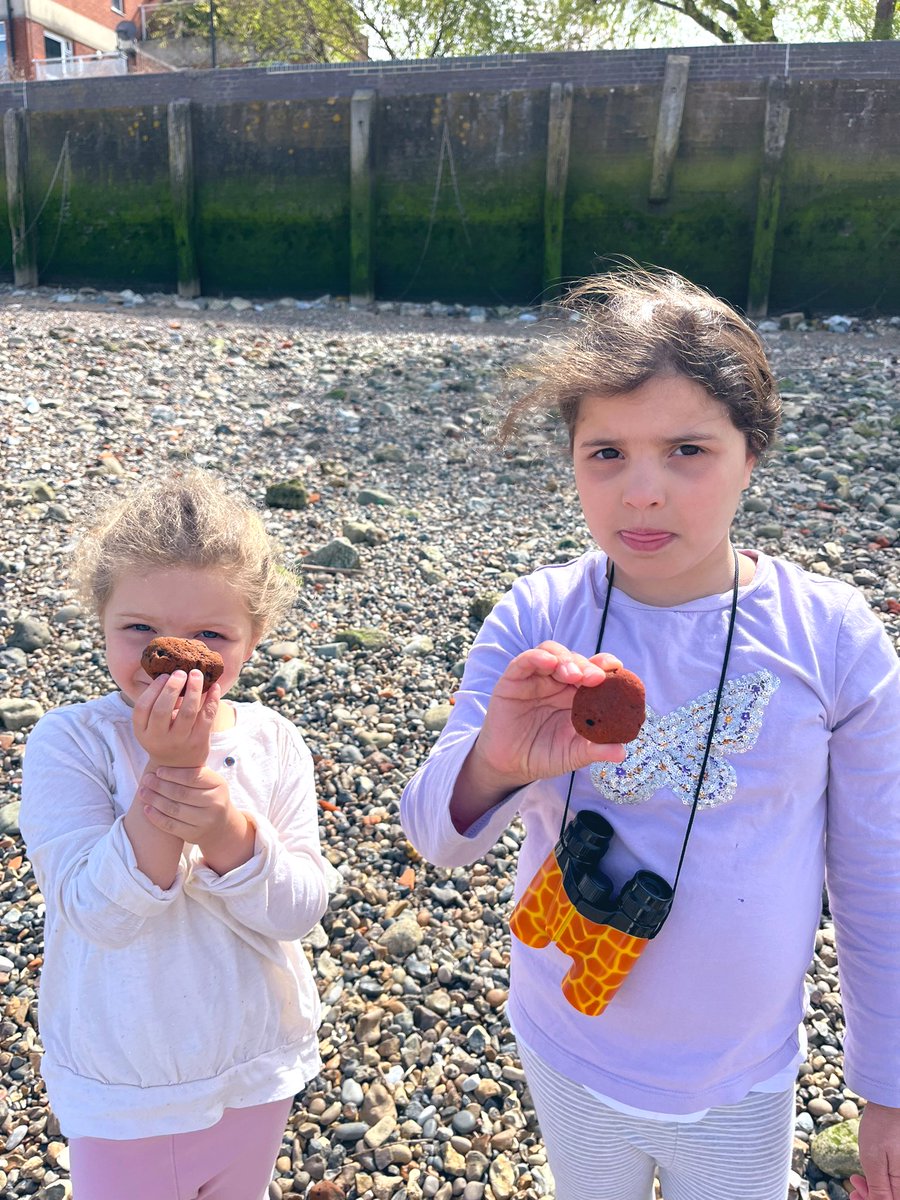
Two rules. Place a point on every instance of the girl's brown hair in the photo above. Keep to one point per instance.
(631, 325)
(186, 519)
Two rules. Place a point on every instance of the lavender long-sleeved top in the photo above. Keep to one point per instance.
(803, 781)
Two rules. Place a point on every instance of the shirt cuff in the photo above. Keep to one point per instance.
(434, 833)
(245, 876)
(116, 875)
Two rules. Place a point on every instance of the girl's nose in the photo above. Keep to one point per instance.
(643, 488)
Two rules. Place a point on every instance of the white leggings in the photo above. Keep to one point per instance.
(596, 1153)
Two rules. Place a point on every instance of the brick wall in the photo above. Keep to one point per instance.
(102, 11)
(835, 60)
(28, 35)
(33, 42)
(272, 180)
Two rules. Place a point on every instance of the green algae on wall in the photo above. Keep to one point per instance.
(708, 243)
(495, 264)
(273, 197)
(256, 238)
(6, 253)
(705, 229)
(838, 239)
(459, 197)
(115, 227)
(121, 238)
(838, 251)
(490, 250)
(6, 269)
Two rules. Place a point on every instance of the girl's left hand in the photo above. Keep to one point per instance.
(194, 804)
(879, 1154)
(173, 718)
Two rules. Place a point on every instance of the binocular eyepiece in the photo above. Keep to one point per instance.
(572, 902)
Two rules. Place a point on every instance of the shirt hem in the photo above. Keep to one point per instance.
(123, 1112)
(650, 1100)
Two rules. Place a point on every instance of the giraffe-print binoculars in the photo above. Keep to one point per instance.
(572, 902)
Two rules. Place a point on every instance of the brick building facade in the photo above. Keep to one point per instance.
(52, 39)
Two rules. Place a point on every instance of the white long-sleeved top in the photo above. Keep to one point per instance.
(804, 777)
(160, 1008)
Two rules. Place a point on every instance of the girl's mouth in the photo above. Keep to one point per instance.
(645, 539)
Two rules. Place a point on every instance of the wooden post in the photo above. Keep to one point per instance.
(668, 127)
(181, 183)
(24, 243)
(778, 115)
(559, 133)
(362, 282)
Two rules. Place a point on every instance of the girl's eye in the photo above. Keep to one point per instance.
(607, 453)
(139, 628)
(210, 634)
(689, 450)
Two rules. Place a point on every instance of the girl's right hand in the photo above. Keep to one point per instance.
(173, 728)
(527, 733)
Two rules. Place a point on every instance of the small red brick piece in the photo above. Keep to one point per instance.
(613, 711)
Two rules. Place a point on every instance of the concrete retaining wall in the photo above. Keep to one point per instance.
(780, 176)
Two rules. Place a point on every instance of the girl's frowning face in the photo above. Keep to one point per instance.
(660, 472)
(174, 602)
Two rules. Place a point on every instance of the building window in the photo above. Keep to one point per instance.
(3, 52)
(57, 48)
(118, 6)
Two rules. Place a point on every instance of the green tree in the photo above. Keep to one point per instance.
(731, 21)
(431, 28)
(258, 30)
(883, 24)
(340, 30)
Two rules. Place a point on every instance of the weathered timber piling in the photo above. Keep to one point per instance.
(559, 133)
(362, 282)
(24, 244)
(668, 127)
(181, 182)
(778, 115)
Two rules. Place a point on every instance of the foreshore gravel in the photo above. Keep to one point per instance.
(414, 522)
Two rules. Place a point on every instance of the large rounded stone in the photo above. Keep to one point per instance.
(436, 717)
(364, 639)
(30, 634)
(16, 713)
(402, 938)
(337, 553)
(836, 1150)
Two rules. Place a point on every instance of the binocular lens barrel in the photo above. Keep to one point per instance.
(645, 901)
(596, 889)
(586, 838)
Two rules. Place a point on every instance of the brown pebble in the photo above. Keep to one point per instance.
(819, 1107)
(164, 655)
(325, 1189)
(613, 711)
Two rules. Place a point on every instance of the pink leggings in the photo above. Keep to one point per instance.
(232, 1160)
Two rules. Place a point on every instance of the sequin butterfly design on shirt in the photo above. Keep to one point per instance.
(668, 752)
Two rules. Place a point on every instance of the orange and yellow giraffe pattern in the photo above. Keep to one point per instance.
(601, 956)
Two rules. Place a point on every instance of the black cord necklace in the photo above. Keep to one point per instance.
(715, 716)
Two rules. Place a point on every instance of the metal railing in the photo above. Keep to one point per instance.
(82, 66)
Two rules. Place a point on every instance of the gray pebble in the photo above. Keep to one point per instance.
(464, 1121)
(263, 404)
(352, 1131)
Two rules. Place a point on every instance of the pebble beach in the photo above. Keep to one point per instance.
(370, 432)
